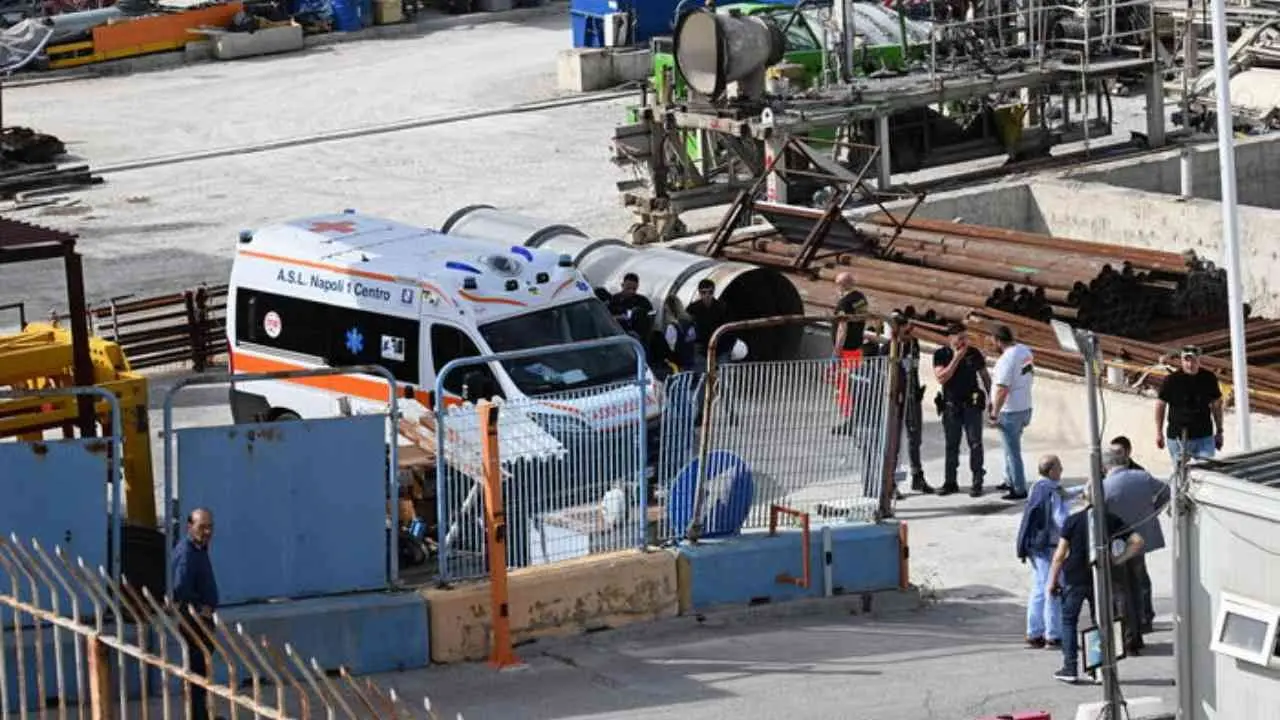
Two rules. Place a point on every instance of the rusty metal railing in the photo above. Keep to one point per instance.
(119, 652)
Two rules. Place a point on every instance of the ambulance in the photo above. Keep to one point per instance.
(349, 289)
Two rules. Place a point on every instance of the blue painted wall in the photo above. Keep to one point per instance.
(368, 633)
(56, 493)
(736, 571)
(300, 508)
(70, 689)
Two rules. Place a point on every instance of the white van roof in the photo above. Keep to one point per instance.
(493, 280)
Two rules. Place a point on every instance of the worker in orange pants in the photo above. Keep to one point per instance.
(847, 348)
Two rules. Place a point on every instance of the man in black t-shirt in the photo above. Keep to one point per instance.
(632, 310)
(1071, 573)
(847, 348)
(962, 402)
(1192, 400)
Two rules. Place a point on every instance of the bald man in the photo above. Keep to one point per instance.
(847, 349)
(195, 590)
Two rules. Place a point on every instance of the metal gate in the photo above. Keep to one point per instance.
(809, 435)
(306, 500)
(119, 652)
(55, 491)
(573, 466)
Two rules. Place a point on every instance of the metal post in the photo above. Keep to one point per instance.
(1186, 166)
(81, 361)
(1181, 544)
(885, 178)
(775, 158)
(1103, 607)
(1231, 222)
(500, 652)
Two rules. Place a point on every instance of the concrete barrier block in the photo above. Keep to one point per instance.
(632, 65)
(745, 570)
(564, 598)
(584, 70)
(368, 632)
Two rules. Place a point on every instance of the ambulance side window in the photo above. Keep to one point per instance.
(449, 343)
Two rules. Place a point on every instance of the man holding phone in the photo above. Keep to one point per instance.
(962, 403)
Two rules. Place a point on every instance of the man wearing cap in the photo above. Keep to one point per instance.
(1011, 407)
(1191, 400)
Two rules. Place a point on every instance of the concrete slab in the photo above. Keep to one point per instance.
(368, 632)
(590, 69)
(1257, 172)
(744, 570)
(587, 594)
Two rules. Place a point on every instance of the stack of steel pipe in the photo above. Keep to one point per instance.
(1143, 304)
(1107, 289)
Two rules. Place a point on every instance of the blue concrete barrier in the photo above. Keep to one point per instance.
(49, 642)
(368, 632)
(745, 569)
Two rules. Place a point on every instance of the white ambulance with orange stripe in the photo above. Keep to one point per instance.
(348, 289)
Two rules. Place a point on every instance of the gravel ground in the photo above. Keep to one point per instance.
(160, 229)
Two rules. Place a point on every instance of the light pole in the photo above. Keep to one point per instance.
(1230, 219)
(1084, 344)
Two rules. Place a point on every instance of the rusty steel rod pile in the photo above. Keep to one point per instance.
(1143, 304)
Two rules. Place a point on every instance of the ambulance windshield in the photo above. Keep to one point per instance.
(540, 375)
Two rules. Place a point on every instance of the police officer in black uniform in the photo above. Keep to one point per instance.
(912, 416)
(962, 403)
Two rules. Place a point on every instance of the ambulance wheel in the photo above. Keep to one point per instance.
(285, 416)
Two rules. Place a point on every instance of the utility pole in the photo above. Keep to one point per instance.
(1085, 344)
(1231, 222)
(1103, 605)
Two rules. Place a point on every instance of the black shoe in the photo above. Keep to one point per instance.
(1066, 675)
(897, 494)
(1148, 628)
(948, 489)
(1053, 644)
(1004, 486)
(919, 485)
(975, 491)
(1013, 496)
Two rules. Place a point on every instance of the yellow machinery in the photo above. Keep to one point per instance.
(40, 356)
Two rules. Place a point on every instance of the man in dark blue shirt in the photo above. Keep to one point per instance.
(195, 591)
(1071, 574)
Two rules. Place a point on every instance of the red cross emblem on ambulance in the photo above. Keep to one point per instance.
(343, 228)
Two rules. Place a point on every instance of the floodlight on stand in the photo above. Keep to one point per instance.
(1067, 338)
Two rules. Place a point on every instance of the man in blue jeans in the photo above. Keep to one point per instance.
(1011, 407)
(1071, 575)
(1192, 401)
(1042, 520)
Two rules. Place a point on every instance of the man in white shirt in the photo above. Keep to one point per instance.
(1011, 407)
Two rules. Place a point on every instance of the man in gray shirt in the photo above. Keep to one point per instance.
(1136, 498)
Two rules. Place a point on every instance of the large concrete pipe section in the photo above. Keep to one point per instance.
(714, 50)
(750, 291)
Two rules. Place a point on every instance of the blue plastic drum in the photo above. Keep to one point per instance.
(730, 490)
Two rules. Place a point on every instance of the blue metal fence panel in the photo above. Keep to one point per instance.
(300, 507)
(56, 494)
